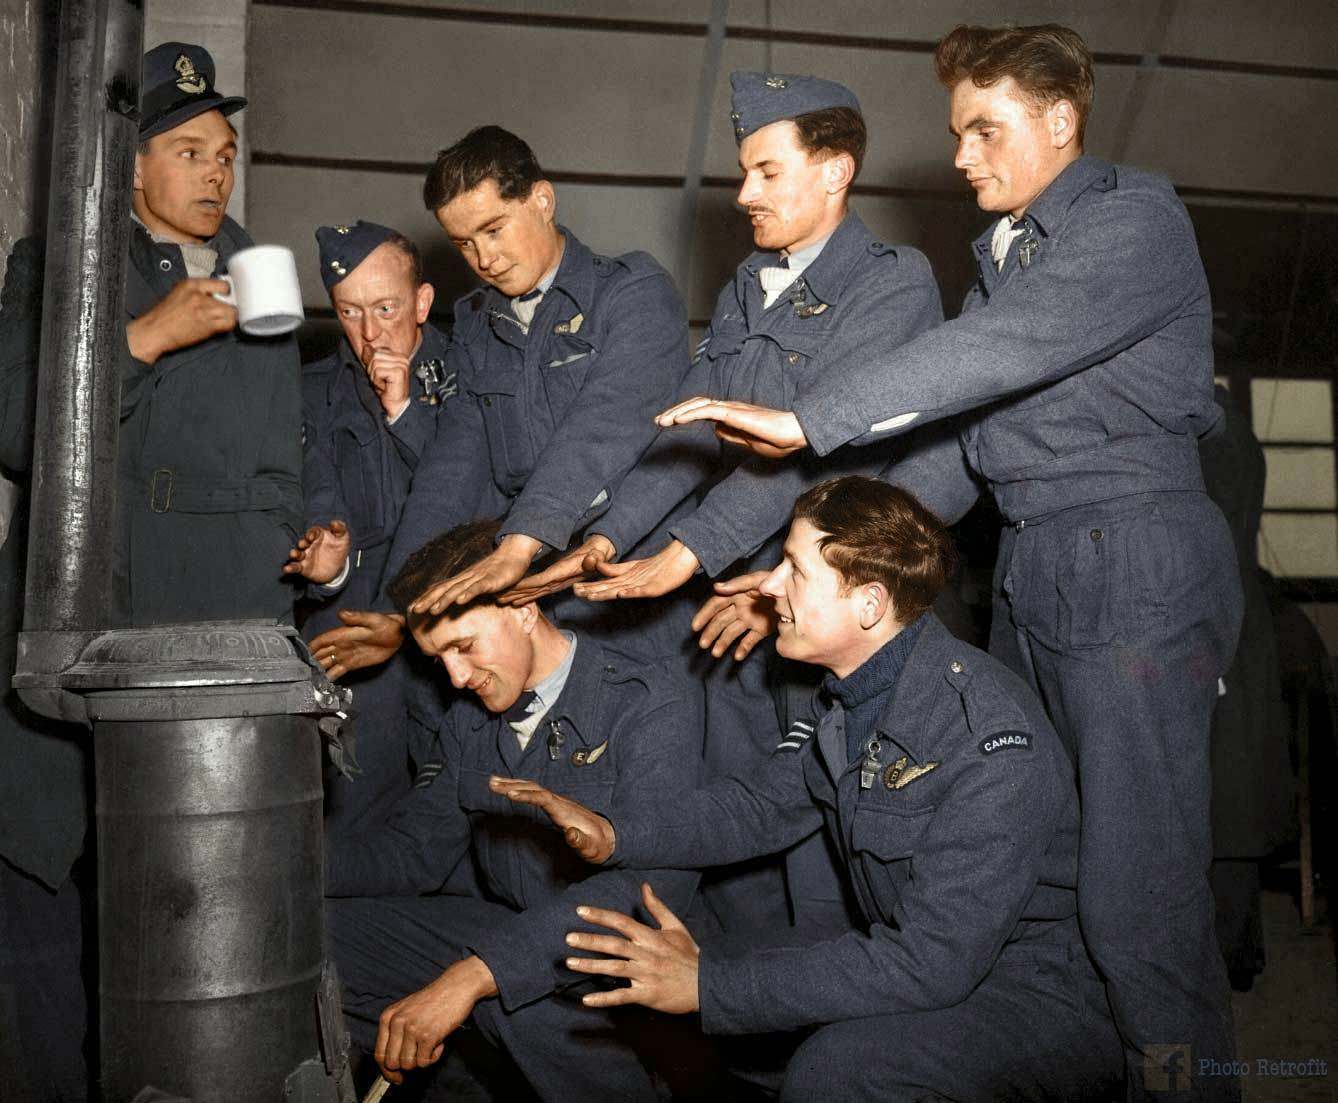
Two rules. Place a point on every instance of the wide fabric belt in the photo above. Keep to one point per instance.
(169, 492)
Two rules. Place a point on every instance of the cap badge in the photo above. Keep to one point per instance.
(777, 82)
(341, 229)
(189, 80)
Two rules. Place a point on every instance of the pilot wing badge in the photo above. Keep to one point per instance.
(911, 773)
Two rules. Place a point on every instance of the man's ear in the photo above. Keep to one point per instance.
(423, 301)
(1062, 118)
(139, 180)
(529, 617)
(874, 604)
(543, 196)
(838, 173)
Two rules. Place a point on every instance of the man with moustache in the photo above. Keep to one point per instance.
(210, 460)
(819, 285)
(1083, 357)
(369, 410)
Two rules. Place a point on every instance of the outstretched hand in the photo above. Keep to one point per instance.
(659, 964)
(762, 430)
(739, 616)
(320, 553)
(367, 639)
(581, 561)
(662, 572)
(501, 569)
(586, 832)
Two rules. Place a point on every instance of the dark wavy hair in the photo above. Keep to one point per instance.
(441, 557)
(876, 532)
(1049, 63)
(485, 153)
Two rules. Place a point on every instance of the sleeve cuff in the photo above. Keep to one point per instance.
(550, 523)
(517, 969)
(820, 426)
(713, 550)
(339, 581)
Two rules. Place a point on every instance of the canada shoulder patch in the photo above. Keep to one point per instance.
(1007, 740)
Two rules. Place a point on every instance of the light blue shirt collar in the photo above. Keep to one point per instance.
(802, 258)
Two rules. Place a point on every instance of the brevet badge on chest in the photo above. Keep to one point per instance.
(588, 757)
(799, 298)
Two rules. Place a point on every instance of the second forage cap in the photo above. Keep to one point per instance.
(760, 99)
(343, 248)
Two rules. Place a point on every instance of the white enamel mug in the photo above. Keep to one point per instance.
(264, 289)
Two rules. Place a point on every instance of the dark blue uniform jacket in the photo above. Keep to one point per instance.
(961, 854)
(356, 467)
(1091, 353)
(210, 461)
(857, 294)
(549, 421)
(613, 731)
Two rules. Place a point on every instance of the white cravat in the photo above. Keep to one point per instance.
(1003, 238)
(775, 282)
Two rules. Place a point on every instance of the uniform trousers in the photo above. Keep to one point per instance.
(1123, 615)
(1032, 1031)
(387, 948)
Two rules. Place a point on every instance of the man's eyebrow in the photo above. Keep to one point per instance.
(975, 124)
(759, 164)
(488, 222)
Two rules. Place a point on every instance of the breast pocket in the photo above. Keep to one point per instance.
(883, 846)
(565, 366)
(500, 399)
(724, 341)
(780, 366)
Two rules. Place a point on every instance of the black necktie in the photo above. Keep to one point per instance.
(525, 305)
(518, 713)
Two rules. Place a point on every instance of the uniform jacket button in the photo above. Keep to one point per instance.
(794, 358)
(1097, 535)
(487, 401)
(956, 667)
(165, 265)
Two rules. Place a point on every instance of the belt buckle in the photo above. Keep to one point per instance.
(166, 488)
